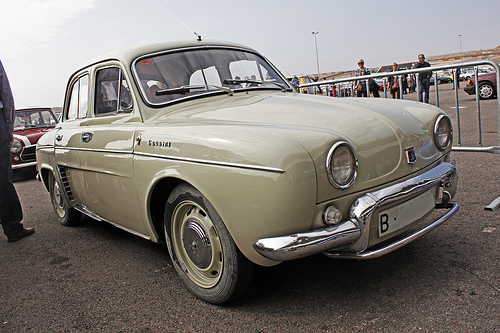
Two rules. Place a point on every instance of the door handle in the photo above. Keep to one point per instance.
(86, 137)
(59, 137)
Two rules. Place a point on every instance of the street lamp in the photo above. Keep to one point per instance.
(460, 47)
(316, 43)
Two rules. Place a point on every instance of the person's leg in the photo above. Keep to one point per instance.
(11, 212)
(420, 91)
(427, 86)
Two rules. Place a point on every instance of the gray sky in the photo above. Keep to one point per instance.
(44, 41)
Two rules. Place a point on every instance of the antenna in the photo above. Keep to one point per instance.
(166, 11)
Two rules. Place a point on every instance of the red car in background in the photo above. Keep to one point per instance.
(29, 126)
(487, 85)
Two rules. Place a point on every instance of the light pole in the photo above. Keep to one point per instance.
(460, 36)
(316, 43)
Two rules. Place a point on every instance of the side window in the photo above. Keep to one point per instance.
(83, 104)
(73, 102)
(112, 93)
(78, 104)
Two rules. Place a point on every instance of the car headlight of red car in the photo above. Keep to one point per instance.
(16, 147)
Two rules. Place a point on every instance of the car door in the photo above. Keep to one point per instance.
(107, 151)
(67, 141)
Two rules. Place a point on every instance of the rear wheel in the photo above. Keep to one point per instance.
(202, 250)
(486, 90)
(65, 215)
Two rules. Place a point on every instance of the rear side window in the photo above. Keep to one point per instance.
(112, 93)
(78, 104)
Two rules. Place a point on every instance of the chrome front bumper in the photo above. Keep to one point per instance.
(23, 165)
(355, 232)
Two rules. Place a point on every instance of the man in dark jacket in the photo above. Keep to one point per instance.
(11, 212)
(423, 79)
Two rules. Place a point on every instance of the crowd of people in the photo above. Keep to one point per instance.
(397, 84)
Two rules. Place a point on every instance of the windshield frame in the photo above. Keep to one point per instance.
(211, 89)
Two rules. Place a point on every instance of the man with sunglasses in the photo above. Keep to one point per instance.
(423, 79)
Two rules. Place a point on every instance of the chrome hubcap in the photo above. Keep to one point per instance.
(197, 244)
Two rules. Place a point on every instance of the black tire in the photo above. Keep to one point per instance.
(486, 90)
(65, 215)
(202, 250)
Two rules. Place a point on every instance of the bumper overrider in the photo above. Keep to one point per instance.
(354, 233)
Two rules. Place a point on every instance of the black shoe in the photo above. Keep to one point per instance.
(23, 233)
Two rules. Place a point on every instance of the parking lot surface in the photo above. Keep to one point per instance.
(97, 278)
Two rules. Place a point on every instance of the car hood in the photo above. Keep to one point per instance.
(31, 134)
(379, 129)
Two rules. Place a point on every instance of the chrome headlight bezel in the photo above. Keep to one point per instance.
(16, 147)
(443, 132)
(342, 169)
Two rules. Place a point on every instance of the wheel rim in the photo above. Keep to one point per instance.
(58, 200)
(485, 91)
(196, 244)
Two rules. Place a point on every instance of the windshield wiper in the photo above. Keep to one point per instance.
(188, 88)
(238, 81)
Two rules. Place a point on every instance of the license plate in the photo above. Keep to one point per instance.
(400, 216)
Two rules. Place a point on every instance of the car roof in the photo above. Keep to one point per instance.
(129, 54)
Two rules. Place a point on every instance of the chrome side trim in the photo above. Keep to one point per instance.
(86, 211)
(184, 159)
(208, 162)
(356, 230)
(396, 245)
(105, 151)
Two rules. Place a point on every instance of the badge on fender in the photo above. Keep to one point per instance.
(411, 157)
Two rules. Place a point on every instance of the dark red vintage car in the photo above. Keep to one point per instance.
(29, 126)
(487, 87)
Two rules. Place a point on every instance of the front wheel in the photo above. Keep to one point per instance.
(202, 250)
(486, 90)
(65, 215)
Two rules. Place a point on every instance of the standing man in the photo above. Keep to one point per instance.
(11, 212)
(423, 79)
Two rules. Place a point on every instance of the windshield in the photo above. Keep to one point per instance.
(172, 76)
(33, 119)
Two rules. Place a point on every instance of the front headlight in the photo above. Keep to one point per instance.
(443, 132)
(16, 147)
(341, 165)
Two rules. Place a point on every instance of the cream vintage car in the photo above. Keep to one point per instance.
(205, 146)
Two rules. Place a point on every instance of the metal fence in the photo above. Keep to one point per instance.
(345, 87)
